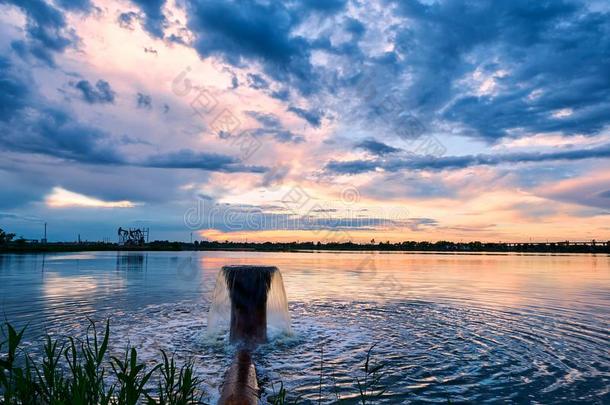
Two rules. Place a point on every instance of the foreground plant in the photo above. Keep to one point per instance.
(78, 372)
(369, 385)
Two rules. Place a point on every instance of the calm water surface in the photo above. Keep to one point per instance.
(474, 328)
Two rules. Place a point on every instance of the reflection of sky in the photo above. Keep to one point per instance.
(107, 283)
(68, 296)
(481, 308)
(497, 280)
(488, 325)
(56, 286)
(102, 128)
(64, 288)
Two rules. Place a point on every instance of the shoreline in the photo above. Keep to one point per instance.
(308, 247)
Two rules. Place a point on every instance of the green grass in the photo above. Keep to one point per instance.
(80, 372)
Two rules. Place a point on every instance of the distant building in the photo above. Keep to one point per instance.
(133, 236)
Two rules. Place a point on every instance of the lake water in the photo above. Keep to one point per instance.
(469, 327)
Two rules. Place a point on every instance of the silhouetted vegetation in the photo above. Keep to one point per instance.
(74, 371)
(7, 244)
(5, 237)
(369, 386)
(406, 246)
(80, 372)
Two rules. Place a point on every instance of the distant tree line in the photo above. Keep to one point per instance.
(5, 237)
(439, 246)
(7, 243)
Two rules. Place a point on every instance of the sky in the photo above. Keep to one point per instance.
(318, 120)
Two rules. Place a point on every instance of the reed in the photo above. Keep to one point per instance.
(79, 372)
(368, 385)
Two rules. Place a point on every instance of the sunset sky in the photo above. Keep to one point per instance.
(306, 120)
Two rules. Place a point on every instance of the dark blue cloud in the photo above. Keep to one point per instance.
(56, 133)
(243, 31)
(46, 30)
(246, 29)
(272, 126)
(351, 166)
(314, 117)
(28, 124)
(31, 125)
(556, 48)
(282, 94)
(413, 162)
(326, 6)
(441, 36)
(376, 147)
(266, 119)
(188, 159)
(565, 69)
(59, 134)
(257, 82)
(154, 20)
(234, 82)
(354, 27)
(127, 19)
(13, 91)
(437, 48)
(281, 135)
(144, 101)
(101, 93)
(131, 140)
(75, 5)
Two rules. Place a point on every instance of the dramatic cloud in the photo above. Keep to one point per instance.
(76, 5)
(327, 6)
(313, 117)
(376, 148)
(144, 101)
(46, 31)
(101, 93)
(30, 125)
(242, 31)
(127, 19)
(272, 126)
(154, 20)
(257, 82)
(188, 159)
(13, 91)
(514, 94)
(55, 132)
(518, 52)
(459, 162)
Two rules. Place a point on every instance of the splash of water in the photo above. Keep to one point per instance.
(278, 316)
(219, 314)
